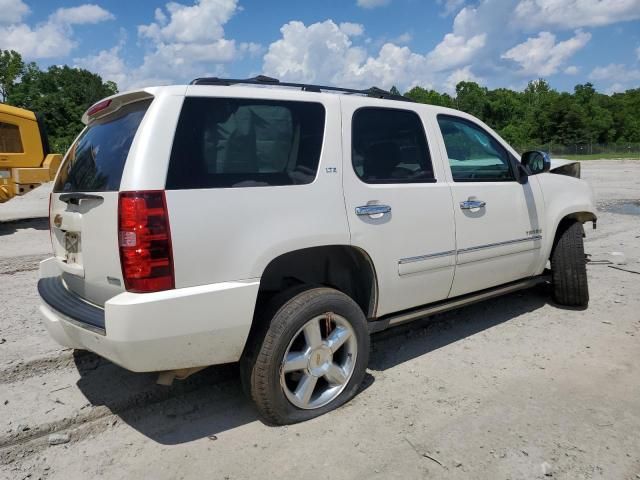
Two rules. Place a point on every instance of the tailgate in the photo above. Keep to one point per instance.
(84, 204)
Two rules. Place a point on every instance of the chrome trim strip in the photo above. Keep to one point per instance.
(420, 258)
(468, 299)
(500, 244)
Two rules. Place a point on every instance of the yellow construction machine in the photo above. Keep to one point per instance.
(25, 161)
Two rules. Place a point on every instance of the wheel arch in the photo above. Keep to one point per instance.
(582, 216)
(346, 268)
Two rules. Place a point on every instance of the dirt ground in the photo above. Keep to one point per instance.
(513, 388)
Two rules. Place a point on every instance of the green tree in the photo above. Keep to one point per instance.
(471, 98)
(11, 68)
(60, 95)
(419, 94)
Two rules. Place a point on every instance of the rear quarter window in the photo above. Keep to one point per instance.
(95, 162)
(232, 143)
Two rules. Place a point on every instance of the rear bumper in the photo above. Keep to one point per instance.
(174, 329)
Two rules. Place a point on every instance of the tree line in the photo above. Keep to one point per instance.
(539, 115)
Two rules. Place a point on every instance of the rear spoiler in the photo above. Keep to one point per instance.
(112, 104)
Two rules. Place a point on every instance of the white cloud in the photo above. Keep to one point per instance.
(571, 70)
(451, 6)
(542, 56)
(13, 11)
(455, 50)
(402, 39)
(107, 64)
(638, 53)
(52, 38)
(460, 75)
(84, 14)
(324, 53)
(568, 14)
(615, 77)
(44, 41)
(184, 42)
(352, 29)
(373, 3)
(200, 22)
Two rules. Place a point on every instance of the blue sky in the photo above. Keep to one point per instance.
(357, 43)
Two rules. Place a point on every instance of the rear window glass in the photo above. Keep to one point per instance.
(232, 142)
(96, 160)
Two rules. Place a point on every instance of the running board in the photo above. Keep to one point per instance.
(450, 304)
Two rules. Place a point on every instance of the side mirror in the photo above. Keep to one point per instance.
(536, 161)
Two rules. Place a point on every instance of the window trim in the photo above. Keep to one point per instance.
(511, 161)
(433, 179)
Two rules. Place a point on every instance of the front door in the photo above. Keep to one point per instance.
(498, 229)
(398, 204)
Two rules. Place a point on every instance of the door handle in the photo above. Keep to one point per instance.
(373, 210)
(469, 204)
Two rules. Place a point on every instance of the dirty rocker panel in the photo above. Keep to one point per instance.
(380, 324)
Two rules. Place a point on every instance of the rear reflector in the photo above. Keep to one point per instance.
(145, 242)
(97, 107)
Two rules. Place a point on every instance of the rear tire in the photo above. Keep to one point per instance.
(309, 358)
(569, 267)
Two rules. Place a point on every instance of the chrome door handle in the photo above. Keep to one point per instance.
(469, 204)
(373, 210)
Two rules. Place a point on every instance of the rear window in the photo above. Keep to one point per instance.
(232, 142)
(96, 160)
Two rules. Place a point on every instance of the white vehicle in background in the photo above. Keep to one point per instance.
(223, 221)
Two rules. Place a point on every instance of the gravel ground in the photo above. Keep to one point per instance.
(515, 388)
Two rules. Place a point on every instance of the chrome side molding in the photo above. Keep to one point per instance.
(500, 244)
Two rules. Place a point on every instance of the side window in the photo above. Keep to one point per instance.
(389, 146)
(10, 141)
(234, 142)
(474, 155)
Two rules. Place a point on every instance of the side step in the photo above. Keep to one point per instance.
(452, 303)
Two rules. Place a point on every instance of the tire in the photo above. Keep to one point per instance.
(279, 393)
(569, 267)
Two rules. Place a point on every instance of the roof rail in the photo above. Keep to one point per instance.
(373, 92)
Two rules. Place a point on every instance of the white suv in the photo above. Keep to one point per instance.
(224, 221)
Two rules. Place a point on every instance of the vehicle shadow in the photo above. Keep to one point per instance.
(10, 227)
(211, 401)
(405, 342)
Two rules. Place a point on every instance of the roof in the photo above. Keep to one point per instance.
(262, 80)
(17, 112)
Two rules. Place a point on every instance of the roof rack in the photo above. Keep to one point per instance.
(374, 92)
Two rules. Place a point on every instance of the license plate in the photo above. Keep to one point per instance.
(71, 245)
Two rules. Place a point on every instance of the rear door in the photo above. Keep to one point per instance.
(84, 202)
(497, 218)
(398, 205)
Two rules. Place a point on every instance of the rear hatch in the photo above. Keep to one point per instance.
(84, 202)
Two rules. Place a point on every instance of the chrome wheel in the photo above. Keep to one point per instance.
(319, 361)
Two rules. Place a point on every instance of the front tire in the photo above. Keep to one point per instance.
(569, 267)
(312, 358)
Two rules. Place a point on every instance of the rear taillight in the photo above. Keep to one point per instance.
(145, 242)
